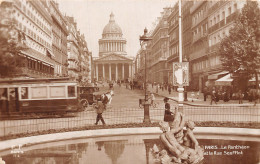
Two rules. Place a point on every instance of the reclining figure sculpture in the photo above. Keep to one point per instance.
(181, 144)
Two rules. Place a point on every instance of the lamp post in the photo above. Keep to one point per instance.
(143, 43)
(180, 88)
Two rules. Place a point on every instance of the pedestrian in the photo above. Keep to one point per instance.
(213, 96)
(162, 87)
(240, 97)
(157, 88)
(169, 89)
(168, 115)
(99, 109)
(225, 96)
(205, 93)
(192, 96)
(198, 94)
(152, 97)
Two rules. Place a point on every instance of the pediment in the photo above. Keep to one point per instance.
(113, 57)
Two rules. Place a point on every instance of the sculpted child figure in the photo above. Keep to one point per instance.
(181, 143)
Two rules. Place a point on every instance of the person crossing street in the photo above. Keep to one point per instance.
(99, 109)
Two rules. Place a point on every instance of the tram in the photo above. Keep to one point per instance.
(50, 96)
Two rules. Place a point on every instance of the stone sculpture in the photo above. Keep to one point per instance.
(181, 144)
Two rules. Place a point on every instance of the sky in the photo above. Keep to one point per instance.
(131, 15)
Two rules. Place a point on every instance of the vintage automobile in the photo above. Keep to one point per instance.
(86, 95)
(50, 96)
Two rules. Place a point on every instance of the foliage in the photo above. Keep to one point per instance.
(10, 37)
(240, 51)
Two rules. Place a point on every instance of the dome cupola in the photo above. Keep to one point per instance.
(112, 30)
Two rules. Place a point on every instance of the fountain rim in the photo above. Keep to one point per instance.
(201, 132)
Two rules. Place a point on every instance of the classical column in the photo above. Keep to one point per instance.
(103, 71)
(110, 71)
(116, 72)
(97, 71)
(130, 76)
(113, 46)
(123, 71)
(116, 46)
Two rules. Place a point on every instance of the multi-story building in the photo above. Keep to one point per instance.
(221, 17)
(158, 50)
(84, 58)
(198, 57)
(35, 22)
(59, 39)
(173, 21)
(73, 49)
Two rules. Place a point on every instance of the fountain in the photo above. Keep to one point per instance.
(180, 146)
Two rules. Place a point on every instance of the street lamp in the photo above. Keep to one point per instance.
(143, 43)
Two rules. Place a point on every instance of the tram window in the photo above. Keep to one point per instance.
(3, 93)
(39, 92)
(71, 91)
(57, 91)
(24, 92)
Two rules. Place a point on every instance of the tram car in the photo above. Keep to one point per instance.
(34, 96)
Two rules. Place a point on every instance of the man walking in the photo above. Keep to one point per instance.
(99, 109)
(213, 96)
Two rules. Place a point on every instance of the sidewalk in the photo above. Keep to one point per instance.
(198, 99)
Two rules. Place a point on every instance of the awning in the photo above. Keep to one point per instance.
(216, 75)
(224, 81)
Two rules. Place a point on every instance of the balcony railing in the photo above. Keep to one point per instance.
(217, 26)
(232, 17)
(213, 48)
(200, 19)
(199, 36)
(214, 7)
(196, 5)
(73, 57)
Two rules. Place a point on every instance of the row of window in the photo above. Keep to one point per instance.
(200, 29)
(199, 15)
(33, 35)
(218, 17)
(38, 66)
(202, 65)
(35, 16)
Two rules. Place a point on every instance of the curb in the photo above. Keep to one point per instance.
(204, 105)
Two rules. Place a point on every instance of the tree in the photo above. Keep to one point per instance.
(240, 50)
(11, 60)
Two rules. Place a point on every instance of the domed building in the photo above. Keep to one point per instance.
(112, 63)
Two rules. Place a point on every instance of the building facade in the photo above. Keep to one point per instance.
(198, 57)
(73, 49)
(158, 50)
(221, 17)
(35, 23)
(84, 59)
(112, 63)
(59, 39)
